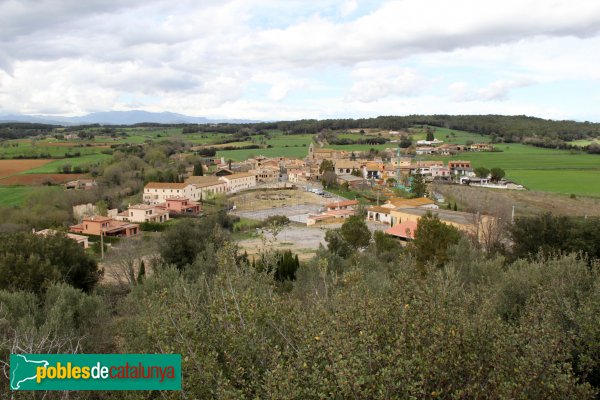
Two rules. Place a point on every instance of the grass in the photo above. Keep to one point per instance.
(551, 170)
(241, 155)
(25, 148)
(579, 182)
(54, 166)
(16, 195)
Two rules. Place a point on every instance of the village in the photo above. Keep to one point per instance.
(314, 193)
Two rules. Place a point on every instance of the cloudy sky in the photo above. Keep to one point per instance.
(290, 59)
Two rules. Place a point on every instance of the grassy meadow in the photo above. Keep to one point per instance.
(17, 195)
(551, 170)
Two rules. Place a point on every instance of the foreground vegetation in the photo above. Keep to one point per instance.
(363, 319)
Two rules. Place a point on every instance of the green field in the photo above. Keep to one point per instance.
(550, 170)
(240, 155)
(54, 166)
(451, 136)
(16, 195)
(29, 149)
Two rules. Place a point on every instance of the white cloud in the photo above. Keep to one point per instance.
(495, 91)
(374, 82)
(348, 7)
(201, 58)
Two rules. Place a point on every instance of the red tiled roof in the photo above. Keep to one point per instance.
(405, 230)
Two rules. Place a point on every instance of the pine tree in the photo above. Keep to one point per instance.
(198, 170)
(455, 207)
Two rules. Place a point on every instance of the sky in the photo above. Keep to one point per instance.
(293, 59)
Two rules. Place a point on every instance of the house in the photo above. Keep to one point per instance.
(267, 174)
(98, 225)
(374, 170)
(440, 172)
(205, 187)
(141, 213)
(81, 184)
(452, 165)
(447, 149)
(79, 239)
(351, 180)
(346, 166)
(342, 205)
(379, 214)
(240, 181)
(433, 142)
(158, 192)
(425, 150)
(466, 222)
(481, 147)
(296, 176)
(224, 172)
(180, 206)
(404, 230)
(319, 154)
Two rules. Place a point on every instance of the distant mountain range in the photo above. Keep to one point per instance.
(119, 118)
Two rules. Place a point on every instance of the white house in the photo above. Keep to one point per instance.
(158, 192)
(143, 213)
(238, 182)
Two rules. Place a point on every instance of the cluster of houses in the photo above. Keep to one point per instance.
(437, 147)
(402, 215)
(163, 200)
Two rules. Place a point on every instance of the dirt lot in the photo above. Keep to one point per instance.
(12, 167)
(294, 204)
(38, 179)
(299, 239)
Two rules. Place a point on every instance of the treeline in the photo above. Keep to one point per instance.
(16, 130)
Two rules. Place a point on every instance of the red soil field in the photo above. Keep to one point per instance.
(38, 179)
(12, 167)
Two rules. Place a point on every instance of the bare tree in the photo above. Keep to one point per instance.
(123, 262)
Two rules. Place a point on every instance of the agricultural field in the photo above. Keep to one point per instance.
(240, 155)
(450, 136)
(551, 170)
(47, 148)
(16, 195)
(54, 166)
(13, 167)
